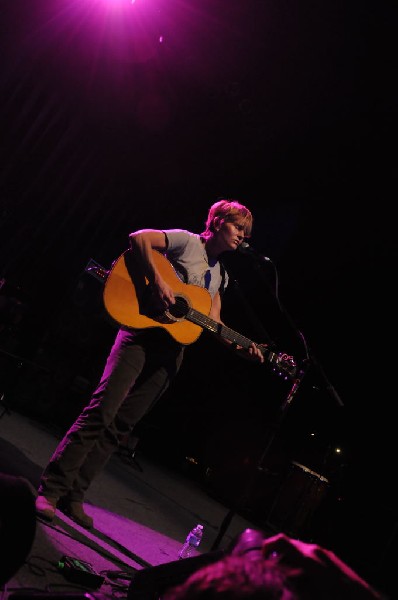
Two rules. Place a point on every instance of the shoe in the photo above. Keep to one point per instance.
(46, 507)
(75, 511)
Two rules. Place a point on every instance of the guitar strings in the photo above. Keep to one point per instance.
(287, 364)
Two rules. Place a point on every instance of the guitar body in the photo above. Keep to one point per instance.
(128, 300)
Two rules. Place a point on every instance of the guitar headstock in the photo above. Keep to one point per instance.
(96, 270)
(283, 364)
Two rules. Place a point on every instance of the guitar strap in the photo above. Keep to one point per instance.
(222, 286)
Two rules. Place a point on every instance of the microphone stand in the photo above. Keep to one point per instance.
(232, 512)
(260, 260)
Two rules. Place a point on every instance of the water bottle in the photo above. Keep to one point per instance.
(193, 540)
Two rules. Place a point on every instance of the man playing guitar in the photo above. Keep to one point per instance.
(163, 292)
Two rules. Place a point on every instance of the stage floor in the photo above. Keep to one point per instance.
(142, 513)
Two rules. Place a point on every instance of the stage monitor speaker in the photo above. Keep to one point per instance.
(151, 583)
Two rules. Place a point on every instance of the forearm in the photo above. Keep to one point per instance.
(142, 243)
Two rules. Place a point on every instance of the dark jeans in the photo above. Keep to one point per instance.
(138, 371)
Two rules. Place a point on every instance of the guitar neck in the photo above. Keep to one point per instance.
(226, 332)
(284, 364)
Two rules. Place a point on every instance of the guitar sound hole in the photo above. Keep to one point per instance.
(180, 309)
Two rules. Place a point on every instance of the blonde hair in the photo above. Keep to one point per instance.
(228, 210)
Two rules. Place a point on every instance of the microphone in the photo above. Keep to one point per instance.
(245, 248)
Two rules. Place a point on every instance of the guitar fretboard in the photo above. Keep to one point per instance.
(282, 362)
(226, 332)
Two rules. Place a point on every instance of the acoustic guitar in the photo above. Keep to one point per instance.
(129, 301)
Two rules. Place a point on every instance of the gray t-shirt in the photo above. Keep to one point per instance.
(187, 254)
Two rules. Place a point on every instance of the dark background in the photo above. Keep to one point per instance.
(118, 115)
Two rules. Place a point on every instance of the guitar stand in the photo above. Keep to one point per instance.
(259, 465)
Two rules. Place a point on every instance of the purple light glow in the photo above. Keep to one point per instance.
(122, 62)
